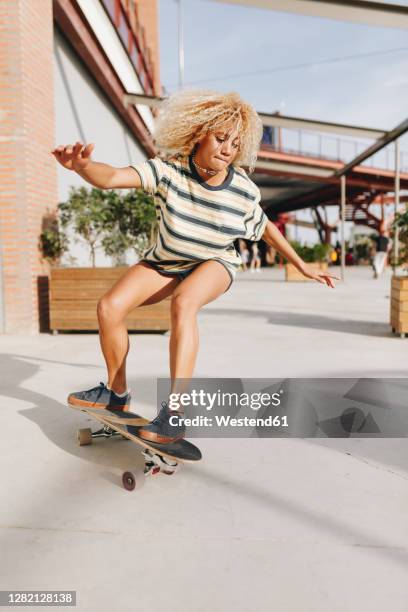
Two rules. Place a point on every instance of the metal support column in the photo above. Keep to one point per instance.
(396, 200)
(180, 44)
(343, 220)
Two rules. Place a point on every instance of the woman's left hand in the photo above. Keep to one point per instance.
(320, 277)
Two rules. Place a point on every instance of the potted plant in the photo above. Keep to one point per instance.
(115, 223)
(399, 281)
(53, 243)
(363, 245)
(317, 256)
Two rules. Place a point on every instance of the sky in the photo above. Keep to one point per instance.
(221, 40)
(226, 45)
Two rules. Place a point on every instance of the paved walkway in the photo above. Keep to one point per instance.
(259, 525)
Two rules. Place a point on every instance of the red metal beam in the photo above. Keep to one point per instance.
(360, 175)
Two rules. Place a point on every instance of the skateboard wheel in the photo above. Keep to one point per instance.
(84, 436)
(129, 481)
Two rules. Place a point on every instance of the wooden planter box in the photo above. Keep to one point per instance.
(293, 274)
(399, 305)
(74, 295)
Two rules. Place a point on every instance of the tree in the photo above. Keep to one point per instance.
(87, 212)
(110, 219)
(131, 223)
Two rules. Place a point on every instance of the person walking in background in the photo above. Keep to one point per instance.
(270, 256)
(382, 242)
(255, 262)
(243, 251)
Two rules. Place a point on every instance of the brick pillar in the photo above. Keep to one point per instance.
(28, 179)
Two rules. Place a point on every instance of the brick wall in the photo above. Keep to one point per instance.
(28, 184)
(28, 172)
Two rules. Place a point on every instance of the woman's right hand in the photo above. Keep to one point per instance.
(73, 157)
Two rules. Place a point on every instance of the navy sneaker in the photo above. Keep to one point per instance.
(99, 397)
(160, 430)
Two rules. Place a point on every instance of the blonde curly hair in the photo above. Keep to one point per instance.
(187, 116)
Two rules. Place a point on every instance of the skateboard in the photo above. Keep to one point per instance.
(165, 458)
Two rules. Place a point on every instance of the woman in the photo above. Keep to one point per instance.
(204, 201)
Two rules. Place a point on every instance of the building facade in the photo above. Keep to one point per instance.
(65, 67)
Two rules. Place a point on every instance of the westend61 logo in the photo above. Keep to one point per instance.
(288, 407)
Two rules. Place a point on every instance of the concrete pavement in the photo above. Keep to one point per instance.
(284, 524)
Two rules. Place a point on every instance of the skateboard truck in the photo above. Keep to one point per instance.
(86, 435)
(157, 463)
(154, 463)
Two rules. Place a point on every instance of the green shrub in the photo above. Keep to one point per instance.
(363, 245)
(401, 221)
(109, 220)
(321, 251)
(53, 242)
(311, 254)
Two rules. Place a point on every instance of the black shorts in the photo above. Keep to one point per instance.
(183, 273)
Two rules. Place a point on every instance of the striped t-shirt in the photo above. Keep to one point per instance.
(197, 221)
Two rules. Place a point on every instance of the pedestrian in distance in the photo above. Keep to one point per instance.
(244, 253)
(255, 261)
(382, 243)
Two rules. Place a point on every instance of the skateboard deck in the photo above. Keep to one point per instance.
(158, 457)
(116, 416)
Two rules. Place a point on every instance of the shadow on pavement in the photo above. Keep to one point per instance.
(59, 423)
(308, 321)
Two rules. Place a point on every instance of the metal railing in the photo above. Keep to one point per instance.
(330, 148)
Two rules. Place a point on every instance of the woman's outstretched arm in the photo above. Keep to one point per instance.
(274, 238)
(77, 158)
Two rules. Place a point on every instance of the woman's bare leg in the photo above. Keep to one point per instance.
(208, 281)
(139, 286)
